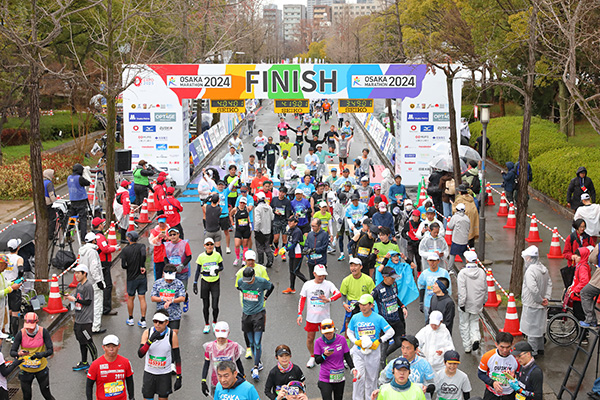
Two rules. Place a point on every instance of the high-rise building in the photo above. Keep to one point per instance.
(341, 13)
(293, 15)
(322, 15)
(273, 19)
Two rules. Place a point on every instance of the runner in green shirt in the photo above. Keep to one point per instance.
(209, 264)
(325, 216)
(353, 286)
(384, 246)
(315, 125)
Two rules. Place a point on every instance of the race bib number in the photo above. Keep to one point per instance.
(167, 294)
(363, 251)
(336, 375)
(391, 308)
(29, 363)
(243, 222)
(157, 362)
(209, 266)
(519, 396)
(315, 256)
(250, 295)
(271, 152)
(112, 389)
(280, 210)
(175, 260)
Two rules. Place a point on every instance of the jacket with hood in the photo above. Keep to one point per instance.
(471, 177)
(470, 211)
(472, 288)
(443, 181)
(591, 215)
(537, 285)
(510, 177)
(317, 242)
(77, 183)
(593, 260)
(122, 206)
(88, 255)
(431, 341)
(241, 389)
(578, 186)
(461, 228)
(434, 190)
(582, 274)
(429, 244)
(573, 242)
(49, 192)
(263, 217)
(387, 182)
(445, 305)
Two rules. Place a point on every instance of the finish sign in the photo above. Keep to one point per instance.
(298, 106)
(355, 105)
(228, 106)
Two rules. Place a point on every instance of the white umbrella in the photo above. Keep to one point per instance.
(463, 151)
(444, 162)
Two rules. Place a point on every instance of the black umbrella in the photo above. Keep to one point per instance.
(24, 230)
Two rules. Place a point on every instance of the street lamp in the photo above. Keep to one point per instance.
(484, 118)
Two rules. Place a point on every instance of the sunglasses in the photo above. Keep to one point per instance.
(159, 322)
(209, 244)
(31, 321)
(324, 327)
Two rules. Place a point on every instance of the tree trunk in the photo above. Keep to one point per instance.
(1, 128)
(400, 37)
(502, 102)
(516, 277)
(111, 114)
(388, 103)
(453, 132)
(563, 108)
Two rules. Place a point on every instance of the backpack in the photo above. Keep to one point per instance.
(450, 187)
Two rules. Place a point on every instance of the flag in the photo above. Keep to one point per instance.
(407, 288)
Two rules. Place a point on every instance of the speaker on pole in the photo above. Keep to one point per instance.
(122, 160)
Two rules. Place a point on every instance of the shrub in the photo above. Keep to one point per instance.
(15, 178)
(52, 125)
(505, 138)
(14, 136)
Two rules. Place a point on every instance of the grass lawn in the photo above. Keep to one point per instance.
(11, 153)
(60, 118)
(585, 135)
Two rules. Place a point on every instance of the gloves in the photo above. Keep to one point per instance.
(421, 307)
(177, 385)
(155, 336)
(205, 390)
(462, 308)
(195, 288)
(376, 344)
(514, 385)
(36, 356)
(358, 343)
(100, 285)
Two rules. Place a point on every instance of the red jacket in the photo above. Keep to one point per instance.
(582, 274)
(159, 245)
(172, 207)
(572, 244)
(159, 193)
(103, 247)
(125, 201)
(372, 200)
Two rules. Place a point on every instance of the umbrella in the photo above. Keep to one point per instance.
(463, 151)
(24, 230)
(444, 163)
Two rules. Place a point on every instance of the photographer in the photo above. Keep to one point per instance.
(141, 183)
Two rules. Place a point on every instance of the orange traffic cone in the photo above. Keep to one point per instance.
(534, 233)
(448, 235)
(555, 250)
(503, 210)
(131, 226)
(511, 323)
(422, 197)
(35, 219)
(511, 222)
(144, 214)
(91, 191)
(488, 193)
(112, 235)
(457, 258)
(493, 298)
(152, 203)
(55, 305)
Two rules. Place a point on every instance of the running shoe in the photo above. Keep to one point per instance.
(276, 252)
(255, 375)
(206, 329)
(81, 366)
(228, 250)
(142, 324)
(130, 322)
(213, 326)
(260, 366)
(186, 305)
(342, 257)
(248, 353)
(476, 345)
(584, 324)
(283, 257)
(10, 339)
(289, 291)
(236, 262)
(310, 363)
(330, 250)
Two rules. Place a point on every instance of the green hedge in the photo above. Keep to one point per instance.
(505, 138)
(51, 125)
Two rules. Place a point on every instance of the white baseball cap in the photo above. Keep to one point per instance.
(90, 237)
(209, 240)
(320, 270)
(585, 196)
(460, 207)
(14, 244)
(435, 317)
(81, 268)
(169, 275)
(298, 191)
(250, 255)
(433, 256)
(261, 195)
(354, 260)
(294, 164)
(244, 200)
(531, 251)
(221, 329)
(160, 317)
(470, 256)
(382, 206)
(110, 339)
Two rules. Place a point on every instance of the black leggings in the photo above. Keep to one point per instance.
(299, 148)
(83, 334)
(331, 391)
(295, 265)
(43, 378)
(212, 289)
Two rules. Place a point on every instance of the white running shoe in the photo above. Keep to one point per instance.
(130, 322)
(310, 363)
(236, 262)
(228, 250)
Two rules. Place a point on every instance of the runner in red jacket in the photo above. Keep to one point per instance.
(172, 207)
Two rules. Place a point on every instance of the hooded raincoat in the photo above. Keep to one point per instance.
(430, 341)
(537, 286)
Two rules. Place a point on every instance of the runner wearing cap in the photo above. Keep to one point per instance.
(260, 142)
(292, 178)
(232, 384)
(493, 368)
(409, 233)
(377, 193)
(427, 224)
(427, 279)
(460, 225)
(333, 176)
(261, 272)
(84, 307)
(283, 163)
(353, 287)
(239, 218)
(364, 331)
(302, 210)
(249, 172)
(361, 246)
(420, 370)
(160, 348)
(342, 180)
(263, 225)
(452, 383)
(179, 254)
(255, 291)
(434, 340)
(306, 185)
(283, 373)
(330, 136)
(232, 196)
(36, 346)
(257, 183)
(14, 271)
(133, 260)
(6, 287)
(217, 351)
(344, 146)
(294, 248)
(232, 158)
(88, 256)
(324, 216)
(391, 308)
(169, 292)
(315, 245)
(212, 213)
(322, 154)
(331, 351)
(272, 152)
(529, 378)
(472, 295)
(122, 208)
(209, 264)
(364, 191)
(158, 237)
(434, 242)
(98, 226)
(171, 209)
(317, 196)
(320, 293)
(384, 246)
(282, 209)
(111, 372)
(400, 387)
(160, 187)
(224, 221)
